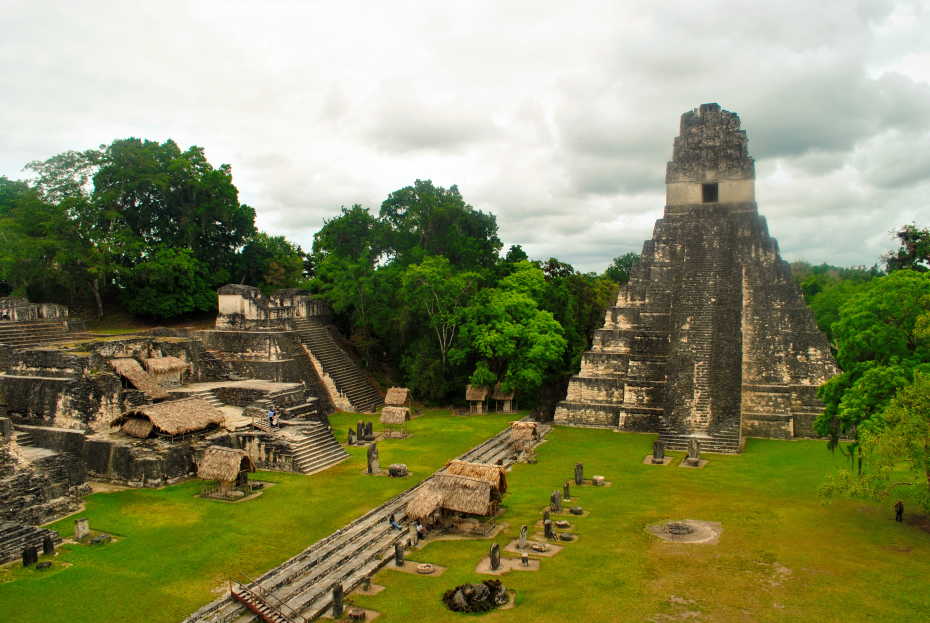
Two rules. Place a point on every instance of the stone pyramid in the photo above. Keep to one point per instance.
(710, 339)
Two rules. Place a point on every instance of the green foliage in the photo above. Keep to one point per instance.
(421, 289)
(620, 267)
(896, 450)
(427, 220)
(879, 344)
(510, 339)
(271, 263)
(170, 283)
(914, 252)
(108, 216)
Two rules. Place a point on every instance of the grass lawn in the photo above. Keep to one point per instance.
(783, 556)
(174, 549)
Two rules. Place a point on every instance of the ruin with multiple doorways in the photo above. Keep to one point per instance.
(710, 339)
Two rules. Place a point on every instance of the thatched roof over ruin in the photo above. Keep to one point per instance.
(176, 417)
(500, 394)
(142, 380)
(220, 463)
(476, 393)
(494, 475)
(396, 396)
(138, 427)
(394, 415)
(453, 493)
(523, 431)
(426, 501)
(160, 365)
(465, 495)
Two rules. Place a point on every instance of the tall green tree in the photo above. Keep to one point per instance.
(271, 263)
(896, 451)
(879, 344)
(620, 267)
(913, 252)
(424, 220)
(507, 336)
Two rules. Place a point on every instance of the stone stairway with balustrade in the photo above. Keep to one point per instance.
(349, 379)
(348, 556)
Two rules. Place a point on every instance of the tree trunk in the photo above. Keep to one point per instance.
(96, 290)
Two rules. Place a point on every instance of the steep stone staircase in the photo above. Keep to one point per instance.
(349, 379)
(317, 449)
(24, 438)
(15, 537)
(36, 333)
(719, 440)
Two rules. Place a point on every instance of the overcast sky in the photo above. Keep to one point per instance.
(558, 117)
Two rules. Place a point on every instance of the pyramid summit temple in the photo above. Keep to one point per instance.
(710, 339)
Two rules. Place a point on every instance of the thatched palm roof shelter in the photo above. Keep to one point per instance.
(504, 399)
(450, 492)
(523, 431)
(425, 502)
(394, 416)
(161, 365)
(224, 464)
(476, 393)
(397, 397)
(176, 417)
(141, 380)
(494, 475)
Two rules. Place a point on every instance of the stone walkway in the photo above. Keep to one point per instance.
(349, 555)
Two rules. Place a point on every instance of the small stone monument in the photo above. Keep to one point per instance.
(398, 470)
(525, 559)
(694, 453)
(351, 438)
(521, 545)
(546, 515)
(373, 466)
(547, 527)
(48, 545)
(658, 452)
(566, 490)
(495, 557)
(81, 528)
(360, 431)
(338, 596)
(369, 431)
(598, 481)
(6, 428)
(412, 536)
(555, 501)
(30, 556)
(579, 474)
(398, 554)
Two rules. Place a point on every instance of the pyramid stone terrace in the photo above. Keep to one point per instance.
(710, 339)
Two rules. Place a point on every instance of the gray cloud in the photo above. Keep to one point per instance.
(557, 118)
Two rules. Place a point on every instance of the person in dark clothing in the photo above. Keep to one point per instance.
(393, 522)
(899, 511)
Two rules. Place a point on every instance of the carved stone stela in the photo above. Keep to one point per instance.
(710, 338)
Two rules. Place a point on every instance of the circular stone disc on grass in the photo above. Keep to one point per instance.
(687, 531)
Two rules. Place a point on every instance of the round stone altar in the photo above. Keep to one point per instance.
(687, 531)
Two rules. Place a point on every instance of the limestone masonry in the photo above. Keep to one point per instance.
(710, 339)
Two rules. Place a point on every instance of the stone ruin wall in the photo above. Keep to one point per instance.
(245, 307)
(710, 332)
(79, 389)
